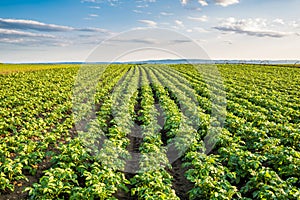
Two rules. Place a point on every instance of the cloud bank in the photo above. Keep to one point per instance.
(223, 3)
(252, 27)
(23, 31)
(149, 23)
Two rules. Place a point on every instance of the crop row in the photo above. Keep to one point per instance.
(116, 132)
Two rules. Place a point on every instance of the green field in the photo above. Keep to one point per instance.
(14, 68)
(257, 147)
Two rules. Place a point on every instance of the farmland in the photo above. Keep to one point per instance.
(51, 148)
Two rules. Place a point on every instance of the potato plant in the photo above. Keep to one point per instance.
(74, 134)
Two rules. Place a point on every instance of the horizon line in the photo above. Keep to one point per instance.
(218, 61)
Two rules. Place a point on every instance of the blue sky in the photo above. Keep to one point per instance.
(69, 30)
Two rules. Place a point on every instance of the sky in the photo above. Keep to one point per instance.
(123, 30)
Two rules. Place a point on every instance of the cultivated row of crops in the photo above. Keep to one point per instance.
(151, 132)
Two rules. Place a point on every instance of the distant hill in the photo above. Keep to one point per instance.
(200, 61)
(190, 61)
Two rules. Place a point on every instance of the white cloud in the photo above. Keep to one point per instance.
(108, 2)
(93, 15)
(95, 30)
(294, 24)
(184, 2)
(253, 27)
(225, 3)
(95, 7)
(134, 40)
(179, 23)
(30, 39)
(88, 1)
(30, 24)
(22, 24)
(203, 2)
(200, 30)
(34, 33)
(137, 11)
(142, 6)
(15, 33)
(148, 22)
(279, 21)
(228, 41)
(113, 2)
(12, 40)
(166, 13)
(203, 18)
